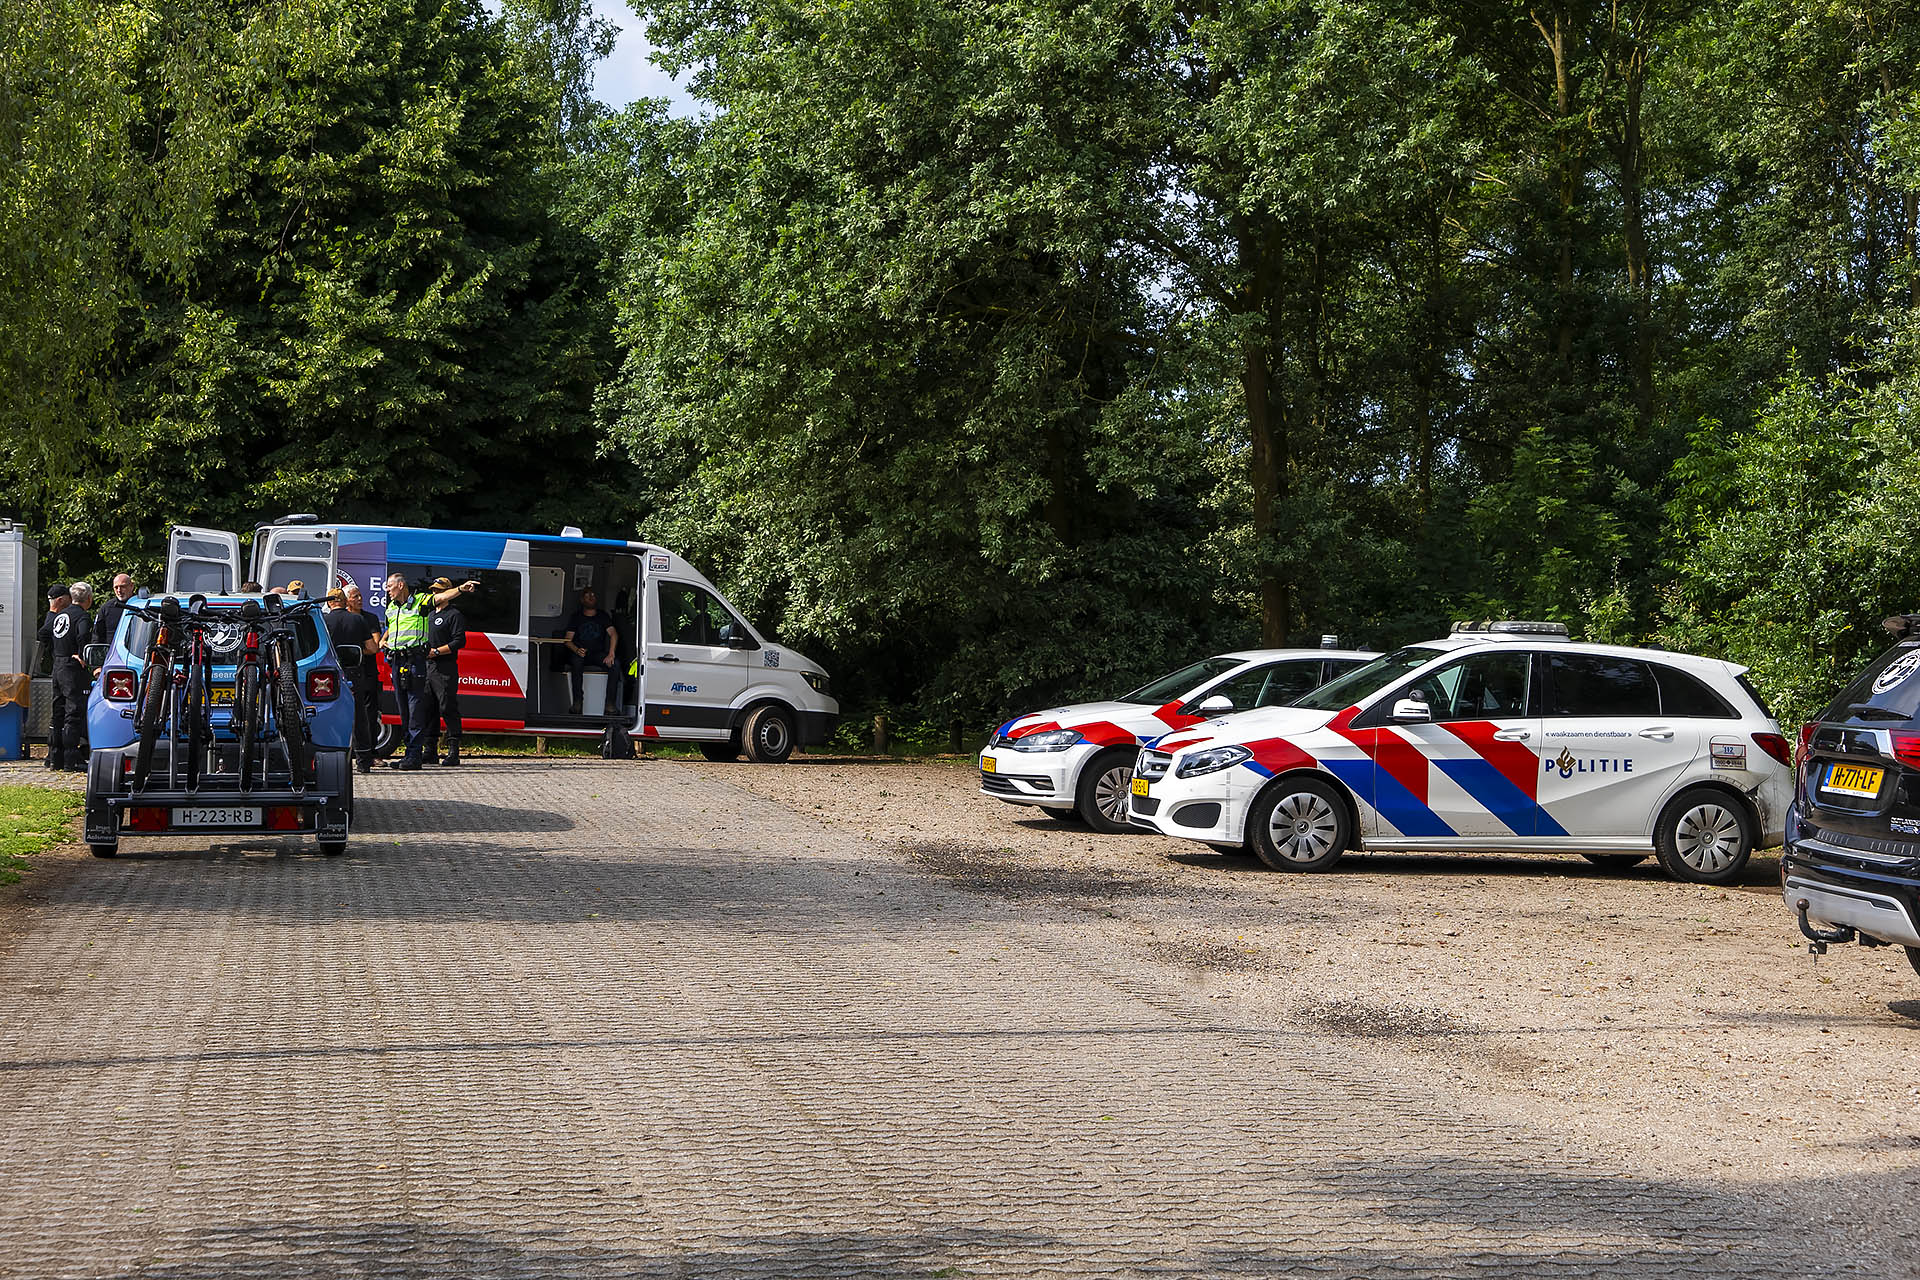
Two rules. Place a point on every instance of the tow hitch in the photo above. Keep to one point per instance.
(1817, 939)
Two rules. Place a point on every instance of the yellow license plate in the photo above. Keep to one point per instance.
(989, 765)
(1854, 779)
(220, 697)
(1139, 786)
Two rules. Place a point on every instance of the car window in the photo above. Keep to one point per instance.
(1685, 695)
(1273, 685)
(1337, 667)
(493, 606)
(1176, 685)
(693, 615)
(1888, 690)
(1365, 681)
(1485, 686)
(1594, 684)
(226, 643)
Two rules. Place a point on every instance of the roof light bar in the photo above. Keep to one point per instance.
(1510, 627)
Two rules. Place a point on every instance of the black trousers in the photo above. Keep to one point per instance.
(67, 730)
(366, 715)
(443, 701)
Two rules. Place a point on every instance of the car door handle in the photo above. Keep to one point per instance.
(664, 657)
(511, 648)
(1659, 731)
(1512, 735)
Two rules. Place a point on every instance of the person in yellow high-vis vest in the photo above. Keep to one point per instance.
(405, 643)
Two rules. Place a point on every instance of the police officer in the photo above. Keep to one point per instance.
(66, 633)
(405, 644)
(446, 637)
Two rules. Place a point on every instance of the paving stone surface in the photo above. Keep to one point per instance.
(604, 1020)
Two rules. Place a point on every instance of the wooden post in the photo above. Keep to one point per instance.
(539, 744)
(880, 735)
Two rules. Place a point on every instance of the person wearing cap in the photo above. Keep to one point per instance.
(405, 644)
(65, 633)
(297, 589)
(446, 637)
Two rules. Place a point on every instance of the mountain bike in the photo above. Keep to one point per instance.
(175, 691)
(282, 685)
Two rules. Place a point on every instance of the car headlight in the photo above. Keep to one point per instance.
(1212, 760)
(1051, 740)
(816, 680)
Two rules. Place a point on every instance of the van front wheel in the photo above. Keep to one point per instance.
(768, 734)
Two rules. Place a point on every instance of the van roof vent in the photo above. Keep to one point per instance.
(572, 531)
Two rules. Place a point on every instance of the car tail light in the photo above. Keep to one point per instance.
(1775, 745)
(118, 684)
(283, 817)
(323, 684)
(1806, 738)
(147, 819)
(1906, 749)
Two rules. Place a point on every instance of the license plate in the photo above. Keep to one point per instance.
(1139, 786)
(989, 765)
(1854, 779)
(221, 697)
(217, 816)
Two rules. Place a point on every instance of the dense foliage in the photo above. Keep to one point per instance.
(1000, 350)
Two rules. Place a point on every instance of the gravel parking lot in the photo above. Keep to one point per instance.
(1685, 1028)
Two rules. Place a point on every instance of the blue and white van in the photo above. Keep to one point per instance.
(700, 673)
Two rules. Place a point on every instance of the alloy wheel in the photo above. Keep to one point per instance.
(1113, 790)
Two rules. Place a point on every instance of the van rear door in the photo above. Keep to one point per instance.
(203, 561)
(300, 554)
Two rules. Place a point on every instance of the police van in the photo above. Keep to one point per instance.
(700, 673)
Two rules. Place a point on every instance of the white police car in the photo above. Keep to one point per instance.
(1079, 759)
(1505, 735)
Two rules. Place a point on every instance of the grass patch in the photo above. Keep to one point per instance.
(32, 820)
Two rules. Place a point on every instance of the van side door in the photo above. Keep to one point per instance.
(206, 561)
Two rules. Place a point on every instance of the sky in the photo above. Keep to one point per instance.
(627, 74)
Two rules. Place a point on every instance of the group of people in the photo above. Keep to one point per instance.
(69, 627)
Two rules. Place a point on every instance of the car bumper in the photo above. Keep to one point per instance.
(1882, 902)
(1046, 778)
(1210, 808)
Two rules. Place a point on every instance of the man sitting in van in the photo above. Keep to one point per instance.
(590, 641)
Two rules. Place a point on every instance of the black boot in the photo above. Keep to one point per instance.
(453, 754)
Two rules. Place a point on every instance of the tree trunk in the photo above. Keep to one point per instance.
(1639, 270)
(1266, 427)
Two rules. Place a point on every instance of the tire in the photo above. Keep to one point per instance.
(720, 752)
(1299, 824)
(248, 715)
(768, 734)
(1615, 861)
(1104, 791)
(193, 712)
(386, 739)
(105, 850)
(1704, 837)
(332, 848)
(288, 712)
(153, 713)
(1913, 958)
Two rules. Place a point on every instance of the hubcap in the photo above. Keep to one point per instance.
(1110, 793)
(1707, 838)
(773, 736)
(1303, 826)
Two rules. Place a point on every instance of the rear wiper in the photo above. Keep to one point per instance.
(1861, 712)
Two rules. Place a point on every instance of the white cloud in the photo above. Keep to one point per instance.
(628, 73)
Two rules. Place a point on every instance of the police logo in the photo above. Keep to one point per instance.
(1566, 763)
(61, 625)
(1897, 671)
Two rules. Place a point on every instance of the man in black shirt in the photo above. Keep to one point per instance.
(446, 637)
(66, 632)
(108, 622)
(349, 624)
(590, 642)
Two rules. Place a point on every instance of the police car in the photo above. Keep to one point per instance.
(1852, 859)
(1503, 736)
(1079, 759)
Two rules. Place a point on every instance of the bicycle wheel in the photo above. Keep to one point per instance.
(288, 711)
(194, 712)
(247, 716)
(153, 713)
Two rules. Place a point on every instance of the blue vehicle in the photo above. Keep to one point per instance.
(194, 732)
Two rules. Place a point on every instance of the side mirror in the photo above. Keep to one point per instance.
(1218, 705)
(742, 642)
(1412, 711)
(95, 656)
(348, 655)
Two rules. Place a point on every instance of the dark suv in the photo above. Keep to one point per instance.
(1852, 857)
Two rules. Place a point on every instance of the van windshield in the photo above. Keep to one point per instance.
(1363, 682)
(1176, 685)
(1888, 690)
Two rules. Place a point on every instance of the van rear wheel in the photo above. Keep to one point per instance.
(768, 734)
